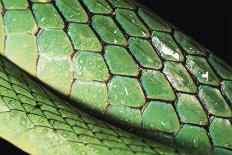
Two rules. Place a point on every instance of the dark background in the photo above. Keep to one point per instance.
(208, 22)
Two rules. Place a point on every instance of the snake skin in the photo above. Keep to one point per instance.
(121, 63)
(37, 121)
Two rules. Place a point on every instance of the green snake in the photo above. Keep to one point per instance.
(108, 77)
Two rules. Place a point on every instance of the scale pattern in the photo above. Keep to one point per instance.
(37, 121)
(121, 61)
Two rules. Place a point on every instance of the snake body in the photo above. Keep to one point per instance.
(147, 87)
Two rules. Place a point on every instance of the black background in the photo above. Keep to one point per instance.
(208, 22)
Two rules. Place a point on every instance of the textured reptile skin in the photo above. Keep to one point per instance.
(35, 120)
(124, 64)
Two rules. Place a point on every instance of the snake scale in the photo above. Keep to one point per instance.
(108, 77)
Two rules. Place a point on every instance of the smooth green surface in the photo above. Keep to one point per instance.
(195, 137)
(126, 91)
(219, 151)
(131, 23)
(94, 93)
(108, 30)
(156, 86)
(120, 62)
(144, 53)
(24, 54)
(72, 10)
(47, 16)
(190, 110)
(49, 43)
(220, 130)
(59, 69)
(19, 22)
(15, 4)
(98, 6)
(90, 66)
(160, 116)
(84, 38)
(214, 102)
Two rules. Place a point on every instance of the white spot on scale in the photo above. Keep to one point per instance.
(168, 51)
(115, 97)
(144, 34)
(42, 19)
(126, 91)
(206, 76)
(115, 41)
(163, 123)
